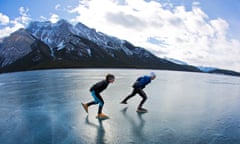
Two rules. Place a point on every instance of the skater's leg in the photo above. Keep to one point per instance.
(86, 105)
(144, 98)
(101, 103)
(95, 96)
(96, 101)
(101, 115)
(129, 96)
(100, 109)
(91, 103)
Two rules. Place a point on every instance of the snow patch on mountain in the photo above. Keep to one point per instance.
(206, 69)
(175, 61)
(89, 52)
(201, 68)
(61, 45)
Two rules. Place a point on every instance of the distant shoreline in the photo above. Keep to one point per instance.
(236, 74)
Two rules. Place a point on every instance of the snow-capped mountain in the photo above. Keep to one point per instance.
(64, 35)
(63, 45)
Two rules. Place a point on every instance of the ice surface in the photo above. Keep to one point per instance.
(184, 108)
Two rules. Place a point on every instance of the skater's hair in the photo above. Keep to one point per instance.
(109, 77)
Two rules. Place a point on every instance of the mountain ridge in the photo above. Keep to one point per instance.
(62, 45)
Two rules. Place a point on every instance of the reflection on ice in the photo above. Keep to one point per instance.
(136, 127)
(100, 131)
(184, 108)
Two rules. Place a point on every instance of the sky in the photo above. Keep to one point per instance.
(198, 32)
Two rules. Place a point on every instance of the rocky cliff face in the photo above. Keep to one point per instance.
(15, 46)
(21, 51)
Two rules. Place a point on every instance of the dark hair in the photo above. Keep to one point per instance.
(109, 76)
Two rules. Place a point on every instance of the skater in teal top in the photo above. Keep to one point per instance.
(95, 90)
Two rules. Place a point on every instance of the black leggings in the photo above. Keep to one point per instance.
(141, 93)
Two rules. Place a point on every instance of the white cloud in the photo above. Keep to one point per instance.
(166, 30)
(54, 18)
(43, 18)
(57, 7)
(7, 30)
(15, 24)
(24, 18)
(4, 20)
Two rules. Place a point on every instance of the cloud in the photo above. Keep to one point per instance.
(54, 18)
(24, 18)
(43, 18)
(125, 20)
(164, 29)
(14, 24)
(57, 7)
(4, 20)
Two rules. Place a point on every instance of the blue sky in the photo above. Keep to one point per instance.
(199, 32)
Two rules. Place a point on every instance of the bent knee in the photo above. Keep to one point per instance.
(145, 97)
(101, 103)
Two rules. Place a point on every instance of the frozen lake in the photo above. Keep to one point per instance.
(44, 107)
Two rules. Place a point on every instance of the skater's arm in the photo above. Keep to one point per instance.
(100, 86)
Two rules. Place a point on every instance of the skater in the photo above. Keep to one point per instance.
(95, 90)
(138, 87)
